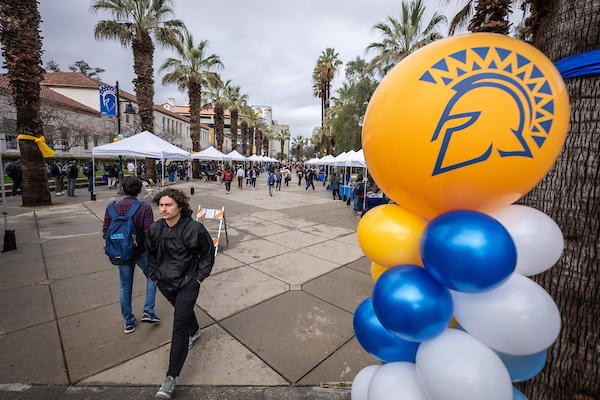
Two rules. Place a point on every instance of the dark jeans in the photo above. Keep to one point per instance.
(253, 182)
(185, 323)
(227, 186)
(336, 192)
(240, 182)
(17, 184)
(309, 183)
(299, 179)
(278, 185)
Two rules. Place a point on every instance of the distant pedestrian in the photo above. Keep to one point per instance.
(180, 256)
(248, 176)
(71, 174)
(286, 176)
(279, 180)
(271, 180)
(14, 172)
(310, 175)
(227, 178)
(57, 173)
(142, 219)
(240, 174)
(88, 171)
(111, 175)
(299, 175)
(254, 173)
(335, 186)
(131, 169)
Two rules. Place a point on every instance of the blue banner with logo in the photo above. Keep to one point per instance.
(108, 101)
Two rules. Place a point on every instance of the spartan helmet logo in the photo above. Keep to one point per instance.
(505, 71)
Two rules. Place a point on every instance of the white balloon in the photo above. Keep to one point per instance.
(456, 366)
(396, 381)
(360, 385)
(538, 239)
(519, 317)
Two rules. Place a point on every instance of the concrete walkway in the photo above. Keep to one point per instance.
(276, 311)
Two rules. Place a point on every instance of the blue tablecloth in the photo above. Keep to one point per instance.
(346, 190)
(321, 177)
(373, 202)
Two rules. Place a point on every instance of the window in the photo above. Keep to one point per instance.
(11, 142)
(163, 123)
(86, 144)
(127, 118)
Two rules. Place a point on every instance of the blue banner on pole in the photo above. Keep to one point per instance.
(108, 101)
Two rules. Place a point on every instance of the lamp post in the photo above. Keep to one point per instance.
(128, 110)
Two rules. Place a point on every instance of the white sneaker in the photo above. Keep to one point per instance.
(58, 194)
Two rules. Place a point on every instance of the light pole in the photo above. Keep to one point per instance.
(128, 110)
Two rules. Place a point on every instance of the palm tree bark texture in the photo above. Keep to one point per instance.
(244, 129)
(233, 128)
(194, 93)
(143, 51)
(570, 194)
(219, 124)
(22, 45)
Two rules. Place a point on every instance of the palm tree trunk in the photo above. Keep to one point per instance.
(245, 137)
(250, 141)
(570, 194)
(219, 125)
(22, 44)
(195, 95)
(143, 54)
(233, 127)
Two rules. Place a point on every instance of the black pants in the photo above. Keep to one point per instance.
(17, 185)
(278, 185)
(185, 323)
(299, 179)
(336, 192)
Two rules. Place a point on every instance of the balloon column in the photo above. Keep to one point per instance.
(455, 134)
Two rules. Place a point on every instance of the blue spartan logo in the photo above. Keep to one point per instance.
(519, 78)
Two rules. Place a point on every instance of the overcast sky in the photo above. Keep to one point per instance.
(268, 47)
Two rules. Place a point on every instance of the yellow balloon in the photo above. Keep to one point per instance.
(468, 122)
(452, 323)
(389, 236)
(116, 139)
(377, 270)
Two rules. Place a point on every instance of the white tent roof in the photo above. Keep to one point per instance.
(209, 154)
(313, 161)
(235, 156)
(341, 159)
(356, 160)
(143, 144)
(334, 160)
(254, 157)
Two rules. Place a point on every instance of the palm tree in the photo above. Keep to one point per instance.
(249, 121)
(482, 16)
(22, 45)
(327, 66)
(190, 71)
(135, 21)
(215, 97)
(315, 141)
(401, 37)
(569, 195)
(298, 144)
(267, 136)
(282, 136)
(234, 101)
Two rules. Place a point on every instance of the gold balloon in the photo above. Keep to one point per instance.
(389, 236)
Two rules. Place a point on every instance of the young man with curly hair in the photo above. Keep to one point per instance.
(180, 256)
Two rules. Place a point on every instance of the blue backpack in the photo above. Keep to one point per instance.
(122, 242)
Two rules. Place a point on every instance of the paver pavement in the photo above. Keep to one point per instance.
(276, 312)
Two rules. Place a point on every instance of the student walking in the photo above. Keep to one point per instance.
(254, 179)
(180, 256)
(271, 180)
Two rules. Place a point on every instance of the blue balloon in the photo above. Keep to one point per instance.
(517, 395)
(121, 136)
(378, 341)
(468, 251)
(523, 368)
(411, 304)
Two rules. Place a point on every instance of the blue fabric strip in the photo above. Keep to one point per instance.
(587, 63)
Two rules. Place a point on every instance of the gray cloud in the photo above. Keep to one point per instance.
(268, 47)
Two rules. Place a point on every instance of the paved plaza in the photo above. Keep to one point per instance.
(276, 311)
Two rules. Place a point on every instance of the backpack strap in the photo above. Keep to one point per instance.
(111, 211)
(134, 209)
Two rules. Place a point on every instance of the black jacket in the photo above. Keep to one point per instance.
(56, 172)
(177, 255)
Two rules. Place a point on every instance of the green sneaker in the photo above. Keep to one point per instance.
(166, 389)
(193, 339)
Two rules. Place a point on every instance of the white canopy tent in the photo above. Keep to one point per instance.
(235, 156)
(144, 144)
(209, 154)
(254, 158)
(313, 161)
(356, 160)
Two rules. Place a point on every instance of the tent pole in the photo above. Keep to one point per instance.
(93, 194)
(4, 212)
(162, 172)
